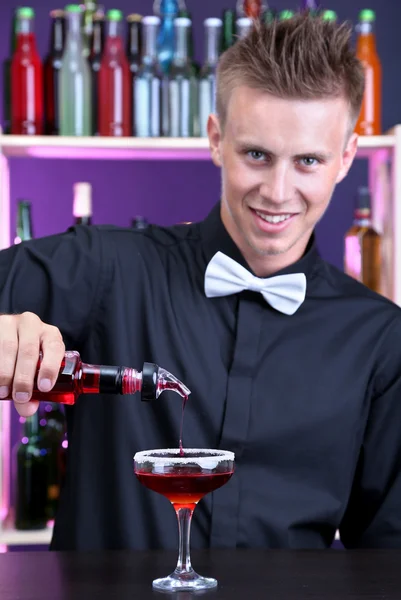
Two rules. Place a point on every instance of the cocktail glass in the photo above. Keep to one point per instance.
(184, 480)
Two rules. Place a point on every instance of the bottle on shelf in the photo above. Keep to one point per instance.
(243, 26)
(228, 29)
(149, 95)
(251, 8)
(76, 378)
(95, 59)
(134, 43)
(369, 120)
(82, 204)
(362, 252)
(24, 230)
(114, 82)
(167, 10)
(53, 431)
(26, 78)
(51, 72)
(269, 15)
(183, 97)
(89, 10)
(313, 6)
(207, 81)
(75, 80)
(31, 477)
(139, 223)
(191, 46)
(286, 14)
(7, 77)
(329, 15)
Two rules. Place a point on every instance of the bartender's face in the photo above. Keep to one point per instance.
(280, 161)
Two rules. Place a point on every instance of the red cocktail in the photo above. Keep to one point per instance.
(184, 480)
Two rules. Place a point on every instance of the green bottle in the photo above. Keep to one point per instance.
(75, 80)
(228, 29)
(286, 14)
(24, 222)
(329, 15)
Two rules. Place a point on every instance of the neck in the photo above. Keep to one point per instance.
(263, 265)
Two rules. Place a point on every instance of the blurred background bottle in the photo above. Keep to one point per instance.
(7, 76)
(207, 83)
(369, 121)
(148, 84)
(75, 80)
(95, 59)
(82, 203)
(114, 81)
(182, 85)
(26, 78)
(51, 71)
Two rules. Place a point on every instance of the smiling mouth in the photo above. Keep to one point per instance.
(274, 218)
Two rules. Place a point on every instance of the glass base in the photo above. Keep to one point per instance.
(186, 580)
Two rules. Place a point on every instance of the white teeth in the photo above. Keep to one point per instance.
(273, 219)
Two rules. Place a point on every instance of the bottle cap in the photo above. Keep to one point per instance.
(182, 22)
(25, 12)
(213, 22)
(329, 15)
(363, 200)
(367, 15)
(57, 13)
(73, 8)
(134, 18)
(114, 15)
(151, 20)
(82, 206)
(286, 14)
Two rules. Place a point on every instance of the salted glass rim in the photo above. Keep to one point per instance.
(215, 454)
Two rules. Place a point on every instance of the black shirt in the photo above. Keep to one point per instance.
(309, 403)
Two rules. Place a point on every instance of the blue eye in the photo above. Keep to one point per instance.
(309, 161)
(256, 154)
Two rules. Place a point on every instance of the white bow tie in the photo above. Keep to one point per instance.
(224, 276)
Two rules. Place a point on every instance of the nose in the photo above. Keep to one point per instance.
(276, 186)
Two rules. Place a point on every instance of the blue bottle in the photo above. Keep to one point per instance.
(167, 10)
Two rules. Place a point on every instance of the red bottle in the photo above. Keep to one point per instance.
(114, 82)
(76, 378)
(26, 79)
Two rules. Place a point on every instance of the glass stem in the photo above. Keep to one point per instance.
(184, 516)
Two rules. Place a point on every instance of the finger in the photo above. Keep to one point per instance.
(53, 350)
(8, 353)
(29, 333)
(27, 409)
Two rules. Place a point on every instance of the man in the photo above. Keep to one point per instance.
(304, 385)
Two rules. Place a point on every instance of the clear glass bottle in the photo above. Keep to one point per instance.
(243, 26)
(75, 80)
(52, 68)
(148, 97)
(182, 86)
(207, 82)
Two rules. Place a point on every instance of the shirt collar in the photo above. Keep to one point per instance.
(216, 238)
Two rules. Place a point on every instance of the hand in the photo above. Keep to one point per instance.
(22, 337)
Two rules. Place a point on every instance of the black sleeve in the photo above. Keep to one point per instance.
(373, 515)
(60, 278)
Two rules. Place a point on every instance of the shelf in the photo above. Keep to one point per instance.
(140, 148)
(12, 537)
(104, 148)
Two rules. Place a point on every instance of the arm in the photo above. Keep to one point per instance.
(47, 285)
(373, 515)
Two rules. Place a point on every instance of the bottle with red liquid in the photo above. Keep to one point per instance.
(26, 79)
(251, 8)
(114, 82)
(52, 66)
(76, 377)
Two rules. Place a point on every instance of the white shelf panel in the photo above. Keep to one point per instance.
(12, 537)
(109, 148)
(105, 148)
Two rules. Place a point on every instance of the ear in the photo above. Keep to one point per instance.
(348, 157)
(214, 135)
